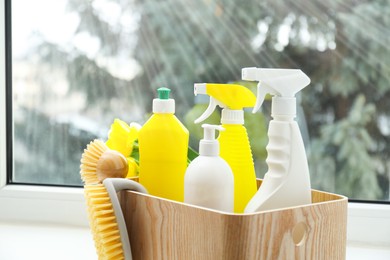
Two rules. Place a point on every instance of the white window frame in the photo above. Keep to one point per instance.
(29, 203)
(367, 223)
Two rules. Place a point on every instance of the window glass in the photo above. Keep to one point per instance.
(78, 65)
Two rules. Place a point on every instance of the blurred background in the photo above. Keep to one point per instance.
(78, 65)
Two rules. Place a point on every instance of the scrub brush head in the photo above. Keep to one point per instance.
(103, 223)
(99, 162)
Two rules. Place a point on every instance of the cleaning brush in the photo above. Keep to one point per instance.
(103, 223)
(99, 164)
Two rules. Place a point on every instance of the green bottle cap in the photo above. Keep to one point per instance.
(163, 93)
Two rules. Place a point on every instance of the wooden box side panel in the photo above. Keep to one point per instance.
(161, 229)
(271, 235)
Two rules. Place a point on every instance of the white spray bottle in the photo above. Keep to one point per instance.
(208, 181)
(287, 182)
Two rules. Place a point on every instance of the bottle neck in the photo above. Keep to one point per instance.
(209, 148)
(284, 108)
(232, 117)
(163, 106)
(283, 118)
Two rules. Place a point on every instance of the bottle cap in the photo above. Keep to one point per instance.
(209, 146)
(232, 117)
(163, 104)
(163, 93)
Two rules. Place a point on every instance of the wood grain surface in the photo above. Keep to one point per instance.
(164, 229)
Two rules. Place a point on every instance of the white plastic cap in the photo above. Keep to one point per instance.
(163, 104)
(283, 106)
(232, 117)
(209, 146)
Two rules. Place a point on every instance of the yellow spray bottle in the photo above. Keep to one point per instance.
(234, 143)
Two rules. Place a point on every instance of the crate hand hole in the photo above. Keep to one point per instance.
(299, 233)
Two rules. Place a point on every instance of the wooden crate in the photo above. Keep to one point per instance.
(164, 229)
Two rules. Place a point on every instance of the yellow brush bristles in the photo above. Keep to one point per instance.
(89, 161)
(103, 223)
(97, 163)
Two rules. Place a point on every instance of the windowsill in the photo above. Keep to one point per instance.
(360, 251)
(20, 240)
(40, 241)
(53, 205)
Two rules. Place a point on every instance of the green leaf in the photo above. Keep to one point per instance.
(135, 152)
(192, 154)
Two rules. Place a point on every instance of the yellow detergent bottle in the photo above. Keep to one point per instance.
(163, 147)
(234, 143)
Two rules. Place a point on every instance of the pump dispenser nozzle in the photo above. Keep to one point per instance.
(209, 146)
(284, 83)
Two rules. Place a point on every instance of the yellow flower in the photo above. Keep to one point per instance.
(121, 136)
(133, 167)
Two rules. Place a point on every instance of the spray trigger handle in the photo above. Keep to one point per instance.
(200, 88)
(210, 109)
(262, 91)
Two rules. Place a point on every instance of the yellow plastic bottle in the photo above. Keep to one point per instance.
(234, 142)
(163, 146)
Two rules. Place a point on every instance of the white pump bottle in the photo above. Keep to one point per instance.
(287, 182)
(208, 181)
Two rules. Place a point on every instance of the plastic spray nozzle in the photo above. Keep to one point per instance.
(278, 82)
(209, 146)
(163, 93)
(231, 96)
(209, 131)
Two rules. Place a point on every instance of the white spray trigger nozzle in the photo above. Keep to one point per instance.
(209, 131)
(279, 82)
(200, 88)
